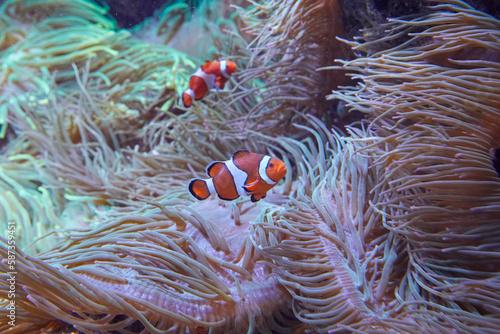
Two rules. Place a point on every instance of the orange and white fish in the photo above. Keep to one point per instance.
(213, 74)
(246, 173)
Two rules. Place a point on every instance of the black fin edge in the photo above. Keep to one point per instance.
(227, 199)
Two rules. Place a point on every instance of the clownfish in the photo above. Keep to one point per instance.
(246, 173)
(213, 74)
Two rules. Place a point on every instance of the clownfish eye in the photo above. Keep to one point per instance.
(271, 165)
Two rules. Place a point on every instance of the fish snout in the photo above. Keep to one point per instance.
(282, 170)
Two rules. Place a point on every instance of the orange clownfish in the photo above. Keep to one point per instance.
(213, 74)
(246, 173)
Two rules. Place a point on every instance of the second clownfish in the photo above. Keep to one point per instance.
(213, 74)
(246, 173)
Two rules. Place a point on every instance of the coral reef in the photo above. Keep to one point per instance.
(388, 227)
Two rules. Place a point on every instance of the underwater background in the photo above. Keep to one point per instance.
(386, 114)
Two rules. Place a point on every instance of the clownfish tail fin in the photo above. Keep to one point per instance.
(199, 189)
(187, 98)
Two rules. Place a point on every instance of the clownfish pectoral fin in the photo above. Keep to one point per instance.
(199, 189)
(220, 82)
(214, 168)
(257, 197)
(253, 186)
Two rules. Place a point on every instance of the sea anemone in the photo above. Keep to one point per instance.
(281, 83)
(168, 269)
(434, 102)
(389, 227)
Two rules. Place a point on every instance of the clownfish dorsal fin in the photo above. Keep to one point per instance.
(251, 187)
(214, 167)
(239, 153)
(207, 63)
